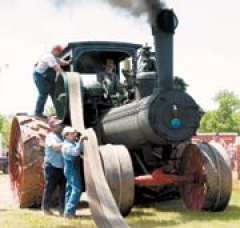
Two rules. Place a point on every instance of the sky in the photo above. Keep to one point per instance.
(206, 42)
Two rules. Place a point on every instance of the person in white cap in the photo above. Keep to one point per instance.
(71, 150)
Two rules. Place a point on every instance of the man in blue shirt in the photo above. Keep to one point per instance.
(53, 166)
(71, 154)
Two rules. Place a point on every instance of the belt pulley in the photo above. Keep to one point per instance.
(104, 209)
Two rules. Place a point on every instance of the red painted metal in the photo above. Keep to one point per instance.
(25, 160)
(228, 137)
(238, 156)
(192, 165)
(157, 177)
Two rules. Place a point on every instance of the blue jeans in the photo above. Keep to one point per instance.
(73, 186)
(45, 87)
(53, 178)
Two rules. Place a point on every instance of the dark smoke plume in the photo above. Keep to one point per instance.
(134, 7)
(138, 7)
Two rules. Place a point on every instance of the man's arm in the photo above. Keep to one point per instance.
(73, 150)
(58, 68)
(100, 77)
(57, 146)
(52, 142)
(63, 62)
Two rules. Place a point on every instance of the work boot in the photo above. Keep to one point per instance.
(48, 212)
(69, 216)
(41, 116)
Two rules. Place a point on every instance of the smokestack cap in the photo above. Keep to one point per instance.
(167, 21)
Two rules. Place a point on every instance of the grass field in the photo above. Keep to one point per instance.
(163, 214)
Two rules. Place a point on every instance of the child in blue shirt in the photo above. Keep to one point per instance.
(71, 151)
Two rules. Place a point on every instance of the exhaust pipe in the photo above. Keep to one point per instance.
(163, 27)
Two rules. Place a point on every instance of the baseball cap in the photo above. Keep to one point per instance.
(53, 121)
(68, 130)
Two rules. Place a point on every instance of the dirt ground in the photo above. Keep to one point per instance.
(6, 196)
(7, 199)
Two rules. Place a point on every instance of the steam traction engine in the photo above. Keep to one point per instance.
(143, 127)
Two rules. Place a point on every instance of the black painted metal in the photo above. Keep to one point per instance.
(148, 121)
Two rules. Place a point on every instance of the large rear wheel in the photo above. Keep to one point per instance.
(26, 151)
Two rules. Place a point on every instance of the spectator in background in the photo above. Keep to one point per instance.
(232, 153)
(218, 139)
(53, 167)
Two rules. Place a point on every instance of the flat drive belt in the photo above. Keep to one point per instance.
(104, 209)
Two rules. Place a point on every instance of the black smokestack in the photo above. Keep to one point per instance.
(163, 22)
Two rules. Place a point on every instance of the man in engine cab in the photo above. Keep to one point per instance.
(109, 78)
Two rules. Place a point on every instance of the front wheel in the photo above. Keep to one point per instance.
(209, 175)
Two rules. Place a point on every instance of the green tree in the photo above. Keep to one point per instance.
(226, 117)
(4, 129)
